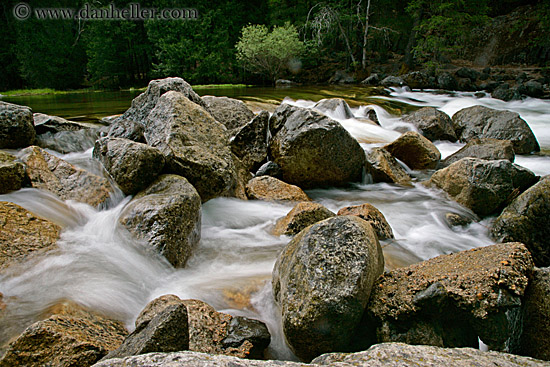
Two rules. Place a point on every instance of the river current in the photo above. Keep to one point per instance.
(100, 266)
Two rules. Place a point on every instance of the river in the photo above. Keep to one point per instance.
(100, 266)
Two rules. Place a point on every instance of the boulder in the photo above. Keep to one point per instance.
(301, 216)
(341, 77)
(415, 151)
(370, 114)
(16, 126)
(484, 122)
(468, 73)
(249, 143)
(452, 299)
(526, 220)
(75, 337)
(532, 88)
(166, 214)
(269, 169)
(485, 187)
(47, 172)
(433, 124)
(53, 124)
(535, 338)
(372, 79)
(335, 106)
(447, 81)
(194, 145)
(417, 80)
(146, 101)
(12, 173)
(23, 234)
(272, 189)
(392, 81)
(322, 282)
(69, 141)
(487, 149)
(230, 112)
(127, 129)
(314, 150)
(372, 215)
(155, 307)
(504, 92)
(132, 165)
(383, 167)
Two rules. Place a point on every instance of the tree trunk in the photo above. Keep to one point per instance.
(345, 39)
(367, 15)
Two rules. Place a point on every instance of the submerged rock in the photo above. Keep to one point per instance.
(16, 126)
(335, 106)
(230, 112)
(301, 216)
(373, 216)
(12, 173)
(487, 149)
(322, 281)
(433, 124)
(272, 189)
(415, 151)
(250, 142)
(167, 215)
(383, 167)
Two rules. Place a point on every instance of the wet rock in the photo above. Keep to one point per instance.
(194, 145)
(314, 150)
(53, 124)
(74, 338)
(526, 220)
(146, 101)
(69, 141)
(284, 83)
(483, 122)
(167, 215)
(447, 81)
(370, 113)
(334, 106)
(452, 299)
(132, 165)
(322, 281)
(242, 176)
(417, 80)
(415, 151)
(468, 73)
(250, 142)
(457, 220)
(155, 307)
(504, 92)
(47, 172)
(341, 77)
(372, 79)
(383, 167)
(228, 111)
(392, 81)
(372, 215)
(301, 216)
(23, 234)
(272, 189)
(127, 129)
(485, 187)
(487, 149)
(433, 124)
(12, 173)
(535, 338)
(16, 126)
(269, 169)
(532, 88)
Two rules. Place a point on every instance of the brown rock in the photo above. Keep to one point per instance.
(12, 173)
(372, 215)
(154, 307)
(69, 182)
(272, 189)
(488, 149)
(383, 167)
(433, 124)
(415, 151)
(23, 234)
(301, 216)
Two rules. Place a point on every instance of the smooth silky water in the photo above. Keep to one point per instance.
(100, 266)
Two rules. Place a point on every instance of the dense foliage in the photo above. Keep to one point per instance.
(235, 41)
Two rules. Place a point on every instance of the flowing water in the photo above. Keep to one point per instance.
(100, 266)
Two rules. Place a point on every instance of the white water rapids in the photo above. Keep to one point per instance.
(100, 266)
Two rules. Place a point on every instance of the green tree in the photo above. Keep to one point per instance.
(269, 53)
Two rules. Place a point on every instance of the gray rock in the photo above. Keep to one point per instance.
(155, 307)
(16, 126)
(228, 111)
(372, 79)
(468, 73)
(532, 88)
(132, 165)
(194, 145)
(336, 106)
(322, 281)
(249, 143)
(53, 124)
(69, 141)
(301, 216)
(526, 220)
(127, 129)
(284, 83)
(12, 173)
(393, 81)
(447, 81)
(483, 122)
(383, 167)
(341, 77)
(417, 80)
(314, 150)
(485, 187)
(433, 124)
(504, 92)
(167, 215)
(415, 151)
(487, 149)
(269, 169)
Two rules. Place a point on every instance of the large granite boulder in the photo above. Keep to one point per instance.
(53, 124)
(228, 111)
(484, 122)
(47, 172)
(415, 151)
(71, 337)
(167, 215)
(127, 129)
(372, 215)
(488, 149)
(132, 165)
(526, 220)
(383, 167)
(322, 282)
(336, 107)
(194, 145)
(16, 126)
(272, 189)
(485, 187)
(452, 299)
(23, 234)
(301, 216)
(314, 150)
(12, 173)
(249, 143)
(432, 123)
